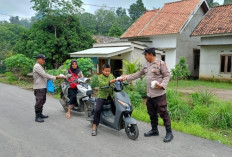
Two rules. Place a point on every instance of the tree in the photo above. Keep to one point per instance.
(9, 34)
(23, 22)
(227, 2)
(56, 34)
(181, 70)
(40, 38)
(105, 19)
(136, 9)
(122, 19)
(88, 21)
(211, 3)
(115, 30)
(19, 64)
(121, 12)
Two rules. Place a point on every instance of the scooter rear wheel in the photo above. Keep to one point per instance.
(132, 131)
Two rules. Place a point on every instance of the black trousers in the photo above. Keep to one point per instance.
(97, 112)
(72, 94)
(40, 97)
(158, 105)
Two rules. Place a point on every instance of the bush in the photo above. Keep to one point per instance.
(135, 97)
(86, 65)
(198, 115)
(178, 108)
(221, 116)
(19, 64)
(10, 76)
(202, 98)
(2, 69)
(141, 87)
(94, 81)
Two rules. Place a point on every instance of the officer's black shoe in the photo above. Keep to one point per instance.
(44, 116)
(38, 118)
(152, 132)
(169, 136)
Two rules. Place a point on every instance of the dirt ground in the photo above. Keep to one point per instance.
(223, 94)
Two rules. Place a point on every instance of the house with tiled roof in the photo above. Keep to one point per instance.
(215, 31)
(169, 29)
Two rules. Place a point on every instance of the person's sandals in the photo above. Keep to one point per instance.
(94, 132)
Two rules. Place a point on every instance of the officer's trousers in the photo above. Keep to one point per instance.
(40, 97)
(155, 106)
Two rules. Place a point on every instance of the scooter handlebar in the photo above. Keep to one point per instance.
(105, 87)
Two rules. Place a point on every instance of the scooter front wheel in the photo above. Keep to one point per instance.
(132, 131)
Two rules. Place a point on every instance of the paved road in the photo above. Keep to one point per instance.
(20, 136)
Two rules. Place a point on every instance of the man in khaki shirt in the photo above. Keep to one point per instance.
(157, 78)
(40, 86)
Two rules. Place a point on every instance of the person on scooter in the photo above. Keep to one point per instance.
(157, 78)
(105, 79)
(72, 91)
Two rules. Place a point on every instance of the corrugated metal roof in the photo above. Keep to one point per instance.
(104, 52)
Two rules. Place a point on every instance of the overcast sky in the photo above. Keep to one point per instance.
(22, 8)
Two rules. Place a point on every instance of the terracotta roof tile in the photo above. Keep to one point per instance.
(217, 21)
(137, 27)
(169, 20)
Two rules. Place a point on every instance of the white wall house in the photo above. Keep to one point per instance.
(215, 31)
(169, 29)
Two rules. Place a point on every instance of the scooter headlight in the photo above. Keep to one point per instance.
(127, 106)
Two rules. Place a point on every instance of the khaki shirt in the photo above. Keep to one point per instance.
(40, 77)
(153, 71)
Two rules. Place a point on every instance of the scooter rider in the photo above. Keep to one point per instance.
(157, 78)
(104, 79)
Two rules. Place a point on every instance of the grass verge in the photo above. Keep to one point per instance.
(219, 135)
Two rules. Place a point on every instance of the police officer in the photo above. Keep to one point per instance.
(40, 86)
(156, 72)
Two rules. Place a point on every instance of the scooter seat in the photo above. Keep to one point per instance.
(107, 107)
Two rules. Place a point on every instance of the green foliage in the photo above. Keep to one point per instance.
(23, 22)
(203, 97)
(94, 81)
(141, 87)
(130, 68)
(19, 64)
(178, 108)
(122, 19)
(181, 70)
(105, 19)
(227, 2)
(57, 34)
(10, 76)
(115, 30)
(198, 115)
(9, 34)
(86, 65)
(88, 21)
(136, 10)
(221, 116)
(135, 97)
(2, 68)
(211, 3)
